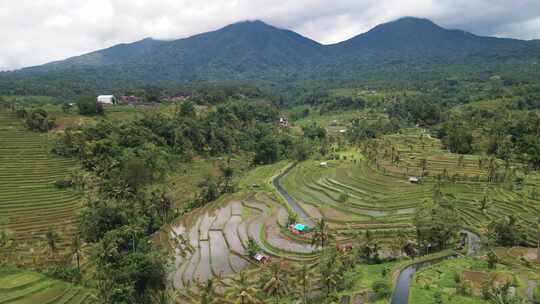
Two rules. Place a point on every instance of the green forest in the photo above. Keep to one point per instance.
(399, 166)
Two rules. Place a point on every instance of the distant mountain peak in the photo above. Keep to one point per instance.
(408, 24)
(250, 24)
(253, 48)
(413, 36)
(412, 19)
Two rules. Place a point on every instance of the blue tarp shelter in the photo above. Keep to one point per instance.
(300, 227)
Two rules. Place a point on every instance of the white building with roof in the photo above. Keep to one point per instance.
(106, 99)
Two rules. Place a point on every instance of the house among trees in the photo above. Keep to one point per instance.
(106, 99)
(131, 99)
(283, 122)
(261, 258)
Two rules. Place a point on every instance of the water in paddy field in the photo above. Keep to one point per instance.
(210, 231)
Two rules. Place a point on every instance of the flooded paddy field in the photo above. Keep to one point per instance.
(212, 241)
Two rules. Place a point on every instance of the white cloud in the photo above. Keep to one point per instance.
(38, 31)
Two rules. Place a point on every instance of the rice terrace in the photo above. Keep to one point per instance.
(251, 164)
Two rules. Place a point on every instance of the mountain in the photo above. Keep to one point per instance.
(118, 54)
(414, 37)
(255, 52)
(243, 45)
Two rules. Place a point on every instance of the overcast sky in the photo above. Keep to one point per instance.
(38, 31)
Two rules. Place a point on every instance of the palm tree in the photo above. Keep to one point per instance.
(368, 236)
(52, 239)
(6, 242)
(167, 296)
(538, 236)
(277, 284)
(423, 165)
(303, 276)
(492, 170)
(241, 292)
(331, 269)
(461, 160)
(322, 234)
(208, 293)
(292, 219)
(401, 240)
(228, 173)
(76, 247)
(484, 203)
(5, 235)
(182, 244)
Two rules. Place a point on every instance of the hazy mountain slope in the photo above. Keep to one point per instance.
(255, 52)
(244, 45)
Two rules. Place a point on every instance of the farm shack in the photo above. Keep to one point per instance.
(298, 228)
(261, 258)
(414, 180)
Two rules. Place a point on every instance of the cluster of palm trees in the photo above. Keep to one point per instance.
(281, 281)
(272, 284)
(45, 249)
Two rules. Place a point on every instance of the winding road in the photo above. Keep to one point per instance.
(403, 284)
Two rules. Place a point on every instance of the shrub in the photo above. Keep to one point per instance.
(492, 259)
(343, 197)
(63, 272)
(464, 288)
(40, 121)
(22, 114)
(536, 295)
(292, 219)
(381, 289)
(457, 278)
(253, 248)
(63, 183)
(88, 105)
(349, 279)
(437, 298)
(66, 107)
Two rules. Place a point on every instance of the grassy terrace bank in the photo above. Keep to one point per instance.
(26, 287)
(29, 201)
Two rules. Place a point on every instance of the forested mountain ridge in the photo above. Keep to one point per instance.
(258, 53)
(244, 43)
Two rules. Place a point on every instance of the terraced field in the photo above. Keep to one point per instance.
(28, 198)
(440, 278)
(415, 145)
(355, 193)
(24, 287)
(373, 200)
(218, 237)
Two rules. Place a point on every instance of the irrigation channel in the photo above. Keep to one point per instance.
(302, 215)
(403, 284)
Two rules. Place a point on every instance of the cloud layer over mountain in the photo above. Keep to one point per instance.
(36, 32)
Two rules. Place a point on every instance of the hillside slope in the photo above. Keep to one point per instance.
(414, 37)
(28, 198)
(25, 287)
(243, 45)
